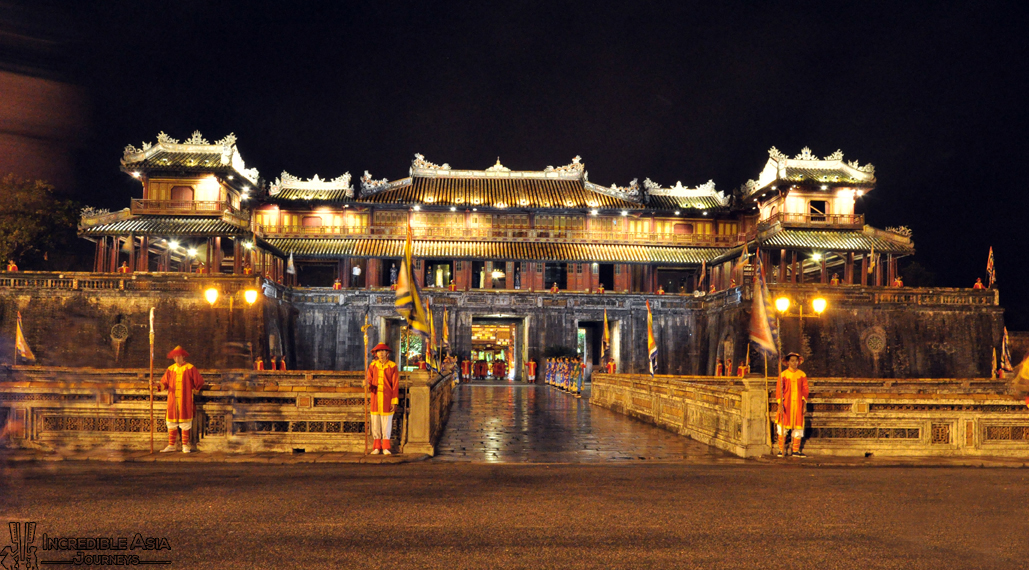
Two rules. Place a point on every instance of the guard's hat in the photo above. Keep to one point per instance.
(381, 346)
(178, 351)
(790, 354)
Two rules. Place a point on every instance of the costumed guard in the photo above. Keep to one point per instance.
(581, 366)
(181, 380)
(13, 267)
(791, 391)
(530, 370)
(383, 380)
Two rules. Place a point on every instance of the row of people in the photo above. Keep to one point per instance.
(565, 374)
(276, 364)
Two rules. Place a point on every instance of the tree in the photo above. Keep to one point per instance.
(32, 219)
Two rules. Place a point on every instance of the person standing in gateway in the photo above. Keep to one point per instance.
(182, 380)
(383, 380)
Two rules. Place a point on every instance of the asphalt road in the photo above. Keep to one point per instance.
(472, 515)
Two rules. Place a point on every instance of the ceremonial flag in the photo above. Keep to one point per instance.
(431, 360)
(21, 347)
(1005, 354)
(605, 345)
(991, 274)
(446, 331)
(651, 343)
(409, 297)
(763, 331)
(290, 268)
(871, 265)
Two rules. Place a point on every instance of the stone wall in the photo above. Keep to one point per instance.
(866, 332)
(237, 410)
(85, 320)
(726, 415)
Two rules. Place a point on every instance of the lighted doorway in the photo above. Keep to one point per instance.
(495, 349)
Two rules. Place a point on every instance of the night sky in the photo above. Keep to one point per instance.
(933, 94)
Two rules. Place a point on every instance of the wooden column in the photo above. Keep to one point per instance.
(419, 272)
(131, 242)
(878, 274)
(824, 262)
(113, 258)
(143, 263)
(793, 272)
(848, 269)
(782, 266)
(509, 272)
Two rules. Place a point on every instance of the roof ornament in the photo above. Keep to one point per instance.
(498, 167)
(575, 166)
(420, 162)
(163, 138)
(838, 155)
(866, 168)
(369, 184)
(776, 154)
(196, 138)
(287, 180)
(650, 185)
(805, 154)
(228, 140)
(900, 230)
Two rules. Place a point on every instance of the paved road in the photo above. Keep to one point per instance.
(476, 515)
(515, 423)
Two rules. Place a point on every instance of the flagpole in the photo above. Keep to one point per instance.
(151, 379)
(364, 329)
(768, 428)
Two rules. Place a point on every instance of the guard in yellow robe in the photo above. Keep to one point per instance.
(383, 379)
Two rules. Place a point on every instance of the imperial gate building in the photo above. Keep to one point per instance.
(491, 246)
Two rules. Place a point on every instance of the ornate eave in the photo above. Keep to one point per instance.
(314, 188)
(808, 168)
(223, 153)
(700, 197)
(425, 169)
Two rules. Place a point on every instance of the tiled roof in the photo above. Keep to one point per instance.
(499, 193)
(165, 226)
(824, 176)
(836, 241)
(593, 253)
(205, 161)
(301, 194)
(684, 202)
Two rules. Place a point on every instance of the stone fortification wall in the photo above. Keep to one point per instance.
(70, 320)
(89, 320)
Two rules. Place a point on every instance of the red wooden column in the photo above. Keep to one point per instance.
(373, 273)
(782, 266)
(113, 258)
(878, 274)
(132, 251)
(848, 269)
(143, 263)
(237, 263)
(98, 254)
(218, 255)
(594, 277)
(824, 270)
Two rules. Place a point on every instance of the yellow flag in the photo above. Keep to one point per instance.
(21, 345)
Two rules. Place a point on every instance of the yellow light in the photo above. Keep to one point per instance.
(782, 304)
(211, 295)
(819, 305)
(192, 252)
(250, 295)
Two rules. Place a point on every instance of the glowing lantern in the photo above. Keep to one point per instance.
(211, 295)
(782, 304)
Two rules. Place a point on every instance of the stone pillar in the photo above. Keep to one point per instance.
(419, 426)
(754, 435)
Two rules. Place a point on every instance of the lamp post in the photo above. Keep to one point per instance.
(782, 305)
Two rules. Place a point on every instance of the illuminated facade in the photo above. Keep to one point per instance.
(202, 209)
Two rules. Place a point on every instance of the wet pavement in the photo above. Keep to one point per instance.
(533, 423)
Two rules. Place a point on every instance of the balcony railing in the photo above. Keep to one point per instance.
(815, 220)
(180, 207)
(503, 234)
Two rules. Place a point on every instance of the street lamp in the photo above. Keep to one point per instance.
(250, 295)
(782, 304)
(819, 305)
(211, 295)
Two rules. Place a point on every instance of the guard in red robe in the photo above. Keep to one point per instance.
(13, 267)
(554, 288)
(499, 369)
(466, 370)
(259, 364)
(530, 370)
(282, 364)
(182, 380)
(978, 281)
(383, 381)
(791, 392)
(337, 285)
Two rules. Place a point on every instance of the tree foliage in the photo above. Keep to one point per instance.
(32, 219)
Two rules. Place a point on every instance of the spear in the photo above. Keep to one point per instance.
(364, 329)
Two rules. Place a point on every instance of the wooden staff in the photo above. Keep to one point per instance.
(768, 430)
(364, 329)
(407, 396)
(151, 379)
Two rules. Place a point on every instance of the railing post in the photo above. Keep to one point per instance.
(419, 420)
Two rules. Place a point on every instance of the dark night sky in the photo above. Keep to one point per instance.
(931, 93)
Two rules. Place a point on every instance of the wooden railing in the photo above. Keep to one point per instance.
(815, 220)
(503, 235)
(180, 207)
